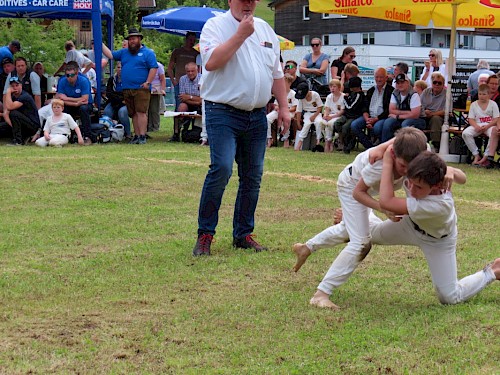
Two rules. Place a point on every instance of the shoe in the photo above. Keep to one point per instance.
(175, 138)
(87, 141)
(134, 140)
(248, 243)
(14, 143)
(142, 140)
(202, 246)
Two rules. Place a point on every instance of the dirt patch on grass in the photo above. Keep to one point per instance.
(480, 204)
(302, 177)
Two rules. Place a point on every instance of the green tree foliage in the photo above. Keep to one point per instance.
(125, 16)
(38, 41)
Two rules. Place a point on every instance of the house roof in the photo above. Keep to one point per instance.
(146, 4)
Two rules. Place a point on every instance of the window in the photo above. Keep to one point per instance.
(305, 13)
(344, 39)
(425, 40)
(447, 40)
(408, 38)
(326, 16)
(468, 41)
(85, 25)
(368, 38)
(326, 40)
(305, 40)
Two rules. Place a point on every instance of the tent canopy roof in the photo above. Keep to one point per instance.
(53, 9)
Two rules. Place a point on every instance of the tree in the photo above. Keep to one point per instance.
(125, 16)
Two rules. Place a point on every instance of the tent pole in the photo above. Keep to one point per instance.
(97, 34)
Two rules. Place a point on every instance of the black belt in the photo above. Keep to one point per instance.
(230, 107)
(420, 230)
(310, 111)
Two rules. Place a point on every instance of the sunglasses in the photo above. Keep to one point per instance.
(289, 66)
(432, 55)
(70, 75)
(314, 44)
(437, 83)
(352, 56)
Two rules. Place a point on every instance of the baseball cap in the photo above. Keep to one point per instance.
(14, 79)
(402, 77)
(15, 43)
(355, 82)
(7, 60)
(302, 90)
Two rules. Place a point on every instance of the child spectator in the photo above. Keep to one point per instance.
(311, 104)
(354, 104)
(58, 127)
(429, 222)
(273, 115)
(483, 117)
(419, 86)
(334, 109)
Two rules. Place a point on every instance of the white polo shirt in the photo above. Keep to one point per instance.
(246, 80)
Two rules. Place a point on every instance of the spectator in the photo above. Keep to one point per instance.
(355, 106)
(376, 112)
(310, 106)
(333, 112)
(178, 60)
(138, 70)
(483, 67)
(116, 108)
(433, 100)
(399, 68)
(291, 68)
(482, 79)
(315, 64)
(23, 113)
(350, 71)
(404, 109)
(29, 79)
(84, 63)
(7, 65)
(419, 86)
(483, 118)
(338, 65)
(492, 83)
(91, 56)
(158, 87)
(58, 127)
(9, 51)
(235, 115)
(40, 70)
(434, 64)
(273, 115)
(75, 91)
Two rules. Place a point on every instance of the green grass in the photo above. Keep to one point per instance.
(97, 276)
(263, 11)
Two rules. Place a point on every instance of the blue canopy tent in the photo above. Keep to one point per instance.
(94, 10)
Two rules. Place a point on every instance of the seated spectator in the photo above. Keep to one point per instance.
(376, 112)
(483, 118)
(404, 110)
(492, 83)
(74, 90)
(158, 87)
(291, 68)
(399, 68)
(58, 127)
(333, 112)
(23, 113)
(116, 108)
(9, 51)
(355, 106)
(7, 65)
(189, 96)
(83, 63)
(310, 105)
(338, 65)
(40, 70)
(273, 115)
(433, 101)
(419, 86)
(483, 67)
(481, 80)
(29, 79)
(350, 71)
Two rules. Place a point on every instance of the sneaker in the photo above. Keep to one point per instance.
(248, 243)
(142, 140)
(134, 140)
(87, 141)
(175, 138)
(202, 246)
(14, 143)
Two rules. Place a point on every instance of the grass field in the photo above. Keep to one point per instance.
(97, 275)
(263, 11)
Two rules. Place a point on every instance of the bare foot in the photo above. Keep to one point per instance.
(321, 299)
(302, 252)
(495, 267)
(337, 216)
(476, 160)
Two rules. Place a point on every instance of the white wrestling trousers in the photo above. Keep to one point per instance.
(307, 125)
(271, 117)
(57, 140)
(468, 136)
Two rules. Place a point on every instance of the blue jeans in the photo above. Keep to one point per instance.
(391, 125)
(122, 116)
(234, 135)
(357, 128)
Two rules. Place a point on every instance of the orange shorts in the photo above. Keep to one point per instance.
(136, 101)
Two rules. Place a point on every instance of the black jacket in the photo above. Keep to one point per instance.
(386, 100)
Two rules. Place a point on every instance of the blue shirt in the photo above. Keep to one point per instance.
(135, 68)
(5, 52)
(81, 87)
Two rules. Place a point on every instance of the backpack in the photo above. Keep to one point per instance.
(117, 133)
(458, 146)
(100, 133)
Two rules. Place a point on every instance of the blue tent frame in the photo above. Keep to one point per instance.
(94, 10)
